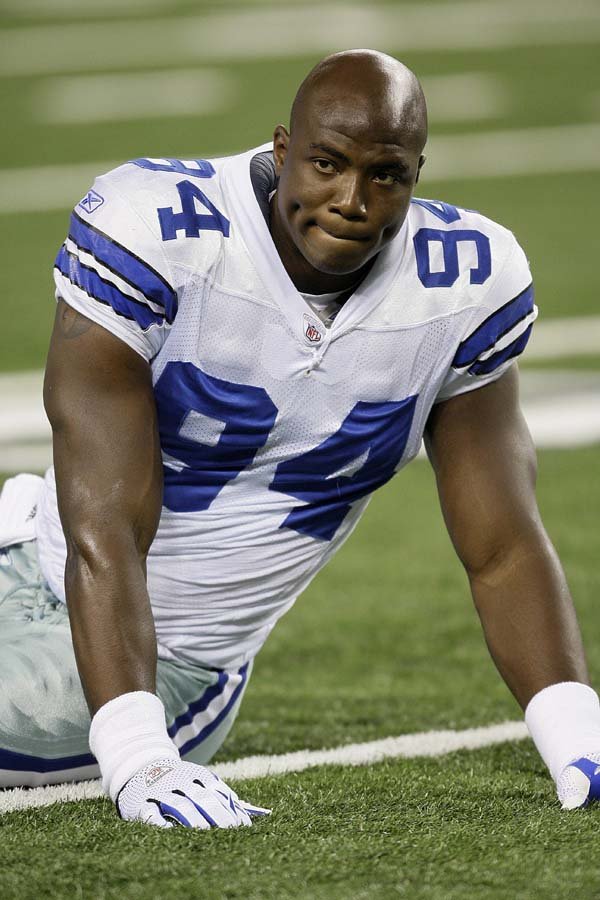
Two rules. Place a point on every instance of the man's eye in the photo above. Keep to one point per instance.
(387, 178)
(324, 165)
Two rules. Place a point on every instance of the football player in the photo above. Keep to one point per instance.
(244, 350)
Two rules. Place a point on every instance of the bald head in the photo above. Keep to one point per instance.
(370, 91)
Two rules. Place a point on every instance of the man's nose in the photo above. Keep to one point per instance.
(349, 200)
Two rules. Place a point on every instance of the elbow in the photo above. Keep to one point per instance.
(507, 560)
(102, 551)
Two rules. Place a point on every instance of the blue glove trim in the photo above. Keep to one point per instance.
(204, 814)
(252, 811)
(229, 800)
(592, 771)
(173, 813)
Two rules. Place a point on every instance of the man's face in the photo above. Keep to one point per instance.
(343, 192)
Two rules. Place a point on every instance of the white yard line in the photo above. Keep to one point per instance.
(22, 416)
(561, 408)
(408, 746)
(489, 154)
(24, 9)
(282, 31)
(48, 188)
(25, 457)
(81, 99)
(515, 151)
(573, 336)
(465, 97)
(105, 98)
(569, 421)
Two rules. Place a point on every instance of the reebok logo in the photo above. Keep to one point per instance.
(91, 201)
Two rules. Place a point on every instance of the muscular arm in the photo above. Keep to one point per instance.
(485, 468)
(98, 397)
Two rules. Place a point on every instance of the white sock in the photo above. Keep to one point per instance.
(128, 733)
(564, 723)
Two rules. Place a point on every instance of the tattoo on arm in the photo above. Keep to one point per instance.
(71, 323)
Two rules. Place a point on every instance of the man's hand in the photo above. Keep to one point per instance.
(169, 792)
(579, 783)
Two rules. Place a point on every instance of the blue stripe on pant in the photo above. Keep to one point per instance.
(44, 721)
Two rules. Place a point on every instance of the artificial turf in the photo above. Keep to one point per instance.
(483, 826)
(384, 642)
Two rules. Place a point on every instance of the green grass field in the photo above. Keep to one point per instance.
(386, 641)
(466, 826)
(481, 824)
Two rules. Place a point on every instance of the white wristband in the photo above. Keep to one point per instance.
(126, 734)
(564, 722)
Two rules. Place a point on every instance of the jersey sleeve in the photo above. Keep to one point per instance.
(497, 332)
(112, 269)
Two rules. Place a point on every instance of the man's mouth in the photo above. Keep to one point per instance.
(343, 236)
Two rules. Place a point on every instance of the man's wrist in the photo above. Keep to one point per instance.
(564, 722)
(128, 733)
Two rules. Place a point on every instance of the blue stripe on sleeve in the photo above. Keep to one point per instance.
(493, 328)
(125, 264)
(492, 363)
(88, 280)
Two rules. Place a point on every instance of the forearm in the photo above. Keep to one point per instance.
(528, 618)
(111, 621)
(485, 468)
(115, 646)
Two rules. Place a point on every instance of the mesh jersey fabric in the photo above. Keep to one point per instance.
(274, 430)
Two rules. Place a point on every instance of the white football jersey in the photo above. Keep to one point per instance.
(274, 429)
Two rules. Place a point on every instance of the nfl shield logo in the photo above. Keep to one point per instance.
(312, 331)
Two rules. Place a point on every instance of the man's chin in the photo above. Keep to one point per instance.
(340, 262)
(329, 268)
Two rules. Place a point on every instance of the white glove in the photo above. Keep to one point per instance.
(172, 792)
(579, 783)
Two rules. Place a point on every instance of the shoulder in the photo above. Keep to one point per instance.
(461, 259)
(167, 203)
(472, 268)
(130, 251)
(458, 230)
(140, 240)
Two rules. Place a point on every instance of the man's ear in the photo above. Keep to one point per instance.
(281, 139)
(419, 167)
